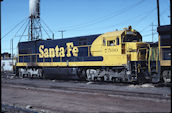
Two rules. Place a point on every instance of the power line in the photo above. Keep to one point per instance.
(161, 14)
(16, 36)
(152, 30)
(149, 34)
(47, 26)
(8, 48)
(13, 28)
(62, 32)
(20, 29)
(148, 12)
(44, 30)
(24, 31)
(104, 18)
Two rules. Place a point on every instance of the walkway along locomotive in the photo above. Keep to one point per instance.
(113, 56)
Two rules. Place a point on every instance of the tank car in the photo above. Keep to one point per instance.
(118, 56)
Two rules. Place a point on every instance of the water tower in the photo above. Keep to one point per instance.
(35, 25)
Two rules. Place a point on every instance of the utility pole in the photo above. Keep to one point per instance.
(12, 50)
(0, 45)
(0, 26)
(170, 11)
(62, 32)
(158, 12)
(53, 36)
(152, 31)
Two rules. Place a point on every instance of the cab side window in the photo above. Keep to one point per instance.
(104, 42)
(111, 43)
(117, 41)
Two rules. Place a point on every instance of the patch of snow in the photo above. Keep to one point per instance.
(147, 85)
(53, 80)
(28, 107)
(89, 82)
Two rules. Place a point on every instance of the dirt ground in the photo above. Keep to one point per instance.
(59, 100)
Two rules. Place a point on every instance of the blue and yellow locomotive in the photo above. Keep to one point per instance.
(112, 56)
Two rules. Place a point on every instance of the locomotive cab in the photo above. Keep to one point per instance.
(130, 35)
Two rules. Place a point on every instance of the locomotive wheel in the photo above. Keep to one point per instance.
(82, 74)
(29, 75)
(113, 80)
(20, 75)
(102, 79)
(42, 74)
(95, 79)
(91, 74)
(166, 76)
(118, 80)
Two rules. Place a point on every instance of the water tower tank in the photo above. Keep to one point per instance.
(34, 7)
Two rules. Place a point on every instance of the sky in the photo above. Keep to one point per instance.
(82, 17)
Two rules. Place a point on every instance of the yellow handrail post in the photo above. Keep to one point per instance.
(36, 58)
(157, 60)
(150, 53)
(88, 51)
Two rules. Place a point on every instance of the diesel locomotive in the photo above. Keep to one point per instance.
(118, 56)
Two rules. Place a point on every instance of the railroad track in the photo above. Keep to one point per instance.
(13, 109)
(96, 82)
(92, 91)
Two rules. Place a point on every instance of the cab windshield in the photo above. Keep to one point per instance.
(131, 38)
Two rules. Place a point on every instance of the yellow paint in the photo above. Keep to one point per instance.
(51, 53)
(69, 49)
(75, 51)
(41, 55)
(27, 54)
(46, 53)
(58, 52)
(165, 46)
(165, 62)
(62, 52)
(21, 64)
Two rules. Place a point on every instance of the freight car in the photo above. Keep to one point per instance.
(165, 52)
(118, 56)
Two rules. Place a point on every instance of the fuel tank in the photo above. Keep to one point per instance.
(60, 73)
